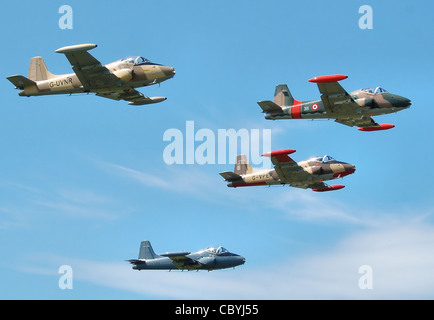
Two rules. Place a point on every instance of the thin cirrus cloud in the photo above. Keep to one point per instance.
(399, 256)
(293, 203)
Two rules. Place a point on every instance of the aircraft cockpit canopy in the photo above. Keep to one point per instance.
(322, 159)
(327, 158)
(137, 60)
(377, 90)
(219, 251)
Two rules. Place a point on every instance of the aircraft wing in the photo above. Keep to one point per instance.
(287, 169)
(341, 106)
(133, 96)
(363, 122)
(91, 73)
(179, 257)
(181, 260)
(337, 101)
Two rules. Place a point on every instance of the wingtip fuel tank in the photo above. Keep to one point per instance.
(278, 153)
(384, 126)
(330, 188)
(330, 78)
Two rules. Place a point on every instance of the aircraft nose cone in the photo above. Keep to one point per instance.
(348, 169)
(351, 168)
(168, 71)
(401, 102)
(407, 102)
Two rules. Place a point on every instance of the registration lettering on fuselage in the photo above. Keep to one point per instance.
(60, 83)
(261, 176)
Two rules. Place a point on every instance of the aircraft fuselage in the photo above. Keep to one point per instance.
(318, 171)
(370, 104)
(129, 77)
(203, 260)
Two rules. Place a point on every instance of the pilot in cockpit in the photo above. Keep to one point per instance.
(221, 250)
(377, 90)
(327, 158)
(136, 60)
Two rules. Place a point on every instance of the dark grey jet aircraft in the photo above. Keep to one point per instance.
(206, 259)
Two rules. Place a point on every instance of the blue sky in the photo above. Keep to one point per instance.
(83, 179)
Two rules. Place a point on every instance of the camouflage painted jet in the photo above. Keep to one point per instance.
(115, 80)
(310, 173)
(206, 259)
(352, 109)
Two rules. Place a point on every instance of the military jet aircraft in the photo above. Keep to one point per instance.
(310, 173)
(115, 80)
(352, 109)
(206, 259)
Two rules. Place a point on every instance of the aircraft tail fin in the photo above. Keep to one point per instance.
(38, 70)
(242, 166)
(146, 251)
(282, 96)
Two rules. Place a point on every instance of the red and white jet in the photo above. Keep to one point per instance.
(310, 173)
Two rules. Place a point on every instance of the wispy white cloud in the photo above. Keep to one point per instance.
(143, 178)
(10, 218)
(313, 207)
(19, 186)
(74, 210)
(72, 202)
(400, 257)
(307, 205)
(292, 203)
(190, 180)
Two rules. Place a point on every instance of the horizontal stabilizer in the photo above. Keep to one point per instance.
(230, 176)
(269, 106)
(135, 261)
(20, 81)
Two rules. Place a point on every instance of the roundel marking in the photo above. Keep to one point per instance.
(315, 107)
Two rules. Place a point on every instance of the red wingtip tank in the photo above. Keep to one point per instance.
(278, 153)
(383, 126)
(330, 188)
(330, 78)
(281, 155)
